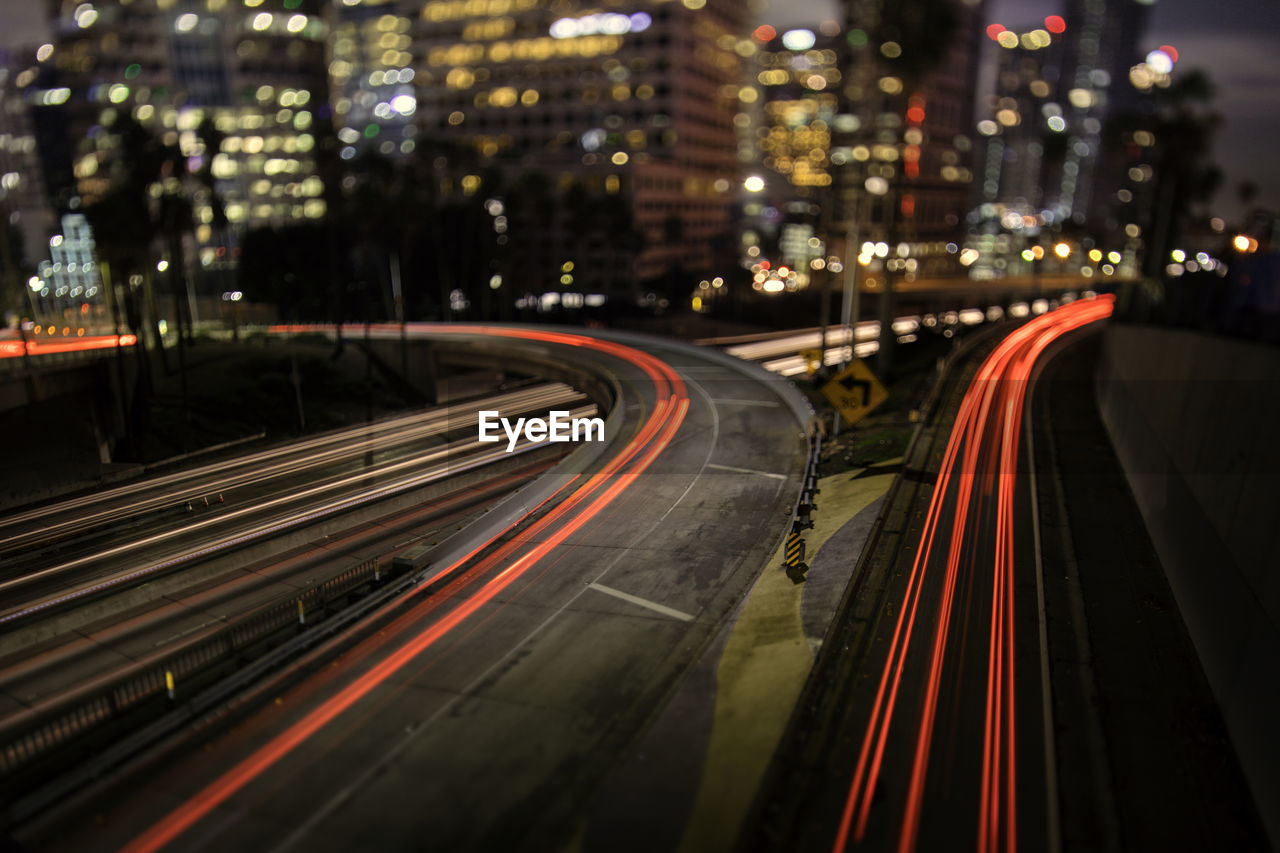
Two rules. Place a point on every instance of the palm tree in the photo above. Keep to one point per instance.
(126, 223)
(624, 240)
(531, 204)
(212, 138)
(1181, 122)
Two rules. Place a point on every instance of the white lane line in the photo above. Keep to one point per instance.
(643, 602)
(765, 403)
(748, 471)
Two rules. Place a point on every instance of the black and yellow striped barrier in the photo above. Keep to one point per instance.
(793, 557)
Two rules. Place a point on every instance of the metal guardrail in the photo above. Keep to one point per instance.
(67, 719)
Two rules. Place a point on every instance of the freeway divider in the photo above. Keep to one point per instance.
(64, 728)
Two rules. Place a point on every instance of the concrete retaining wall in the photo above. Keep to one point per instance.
(1195, 420)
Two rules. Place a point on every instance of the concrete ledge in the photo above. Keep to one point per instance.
(1192, 418)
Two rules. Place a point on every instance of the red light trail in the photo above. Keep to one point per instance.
(578, 508)
(15, 349)
(987, 428)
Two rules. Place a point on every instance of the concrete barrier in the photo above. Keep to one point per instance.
(1193, 420)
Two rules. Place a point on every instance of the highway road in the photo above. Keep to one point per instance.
(779, 352)
(933, 734)
(37, 529)
(982, 687)
(106, 592)
(55, 555)
(486, 707)
(528, 688)
(1014, 672)
(961, 594)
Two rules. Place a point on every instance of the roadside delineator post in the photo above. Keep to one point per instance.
(793, 557)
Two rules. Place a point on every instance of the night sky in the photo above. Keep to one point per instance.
(1235, 41)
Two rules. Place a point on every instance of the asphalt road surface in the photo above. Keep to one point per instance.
(484, 714)
(1012, 669)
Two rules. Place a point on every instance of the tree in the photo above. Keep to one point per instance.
(1176, 125)
(11, 262)
(122, 220)
(531, 205)
(211, 138)
(124, 229)
(624, 240)
(281, 266)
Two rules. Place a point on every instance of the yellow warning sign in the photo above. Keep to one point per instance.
(855, 392)
(812, 359)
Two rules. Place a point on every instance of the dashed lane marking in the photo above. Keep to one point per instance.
(642, 602)
(772, 404)
(748, 471)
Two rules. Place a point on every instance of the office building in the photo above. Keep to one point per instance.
(28, 218)
(631, 109)
(1044, 174)
(239, 89)
(906, 136)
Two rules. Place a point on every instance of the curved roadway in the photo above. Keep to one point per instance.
(485, 711)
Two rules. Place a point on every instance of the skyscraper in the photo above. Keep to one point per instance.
(372, 78)
(800, 103)
(798, 76)
(1100, 47)
(635, 105)
(910, 76)
(238, 89)
(23, 198)
(1043, 171)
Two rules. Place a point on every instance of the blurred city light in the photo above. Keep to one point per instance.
(1244, 243)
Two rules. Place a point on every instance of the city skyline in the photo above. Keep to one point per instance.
(1230, 40)
(928, 471)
